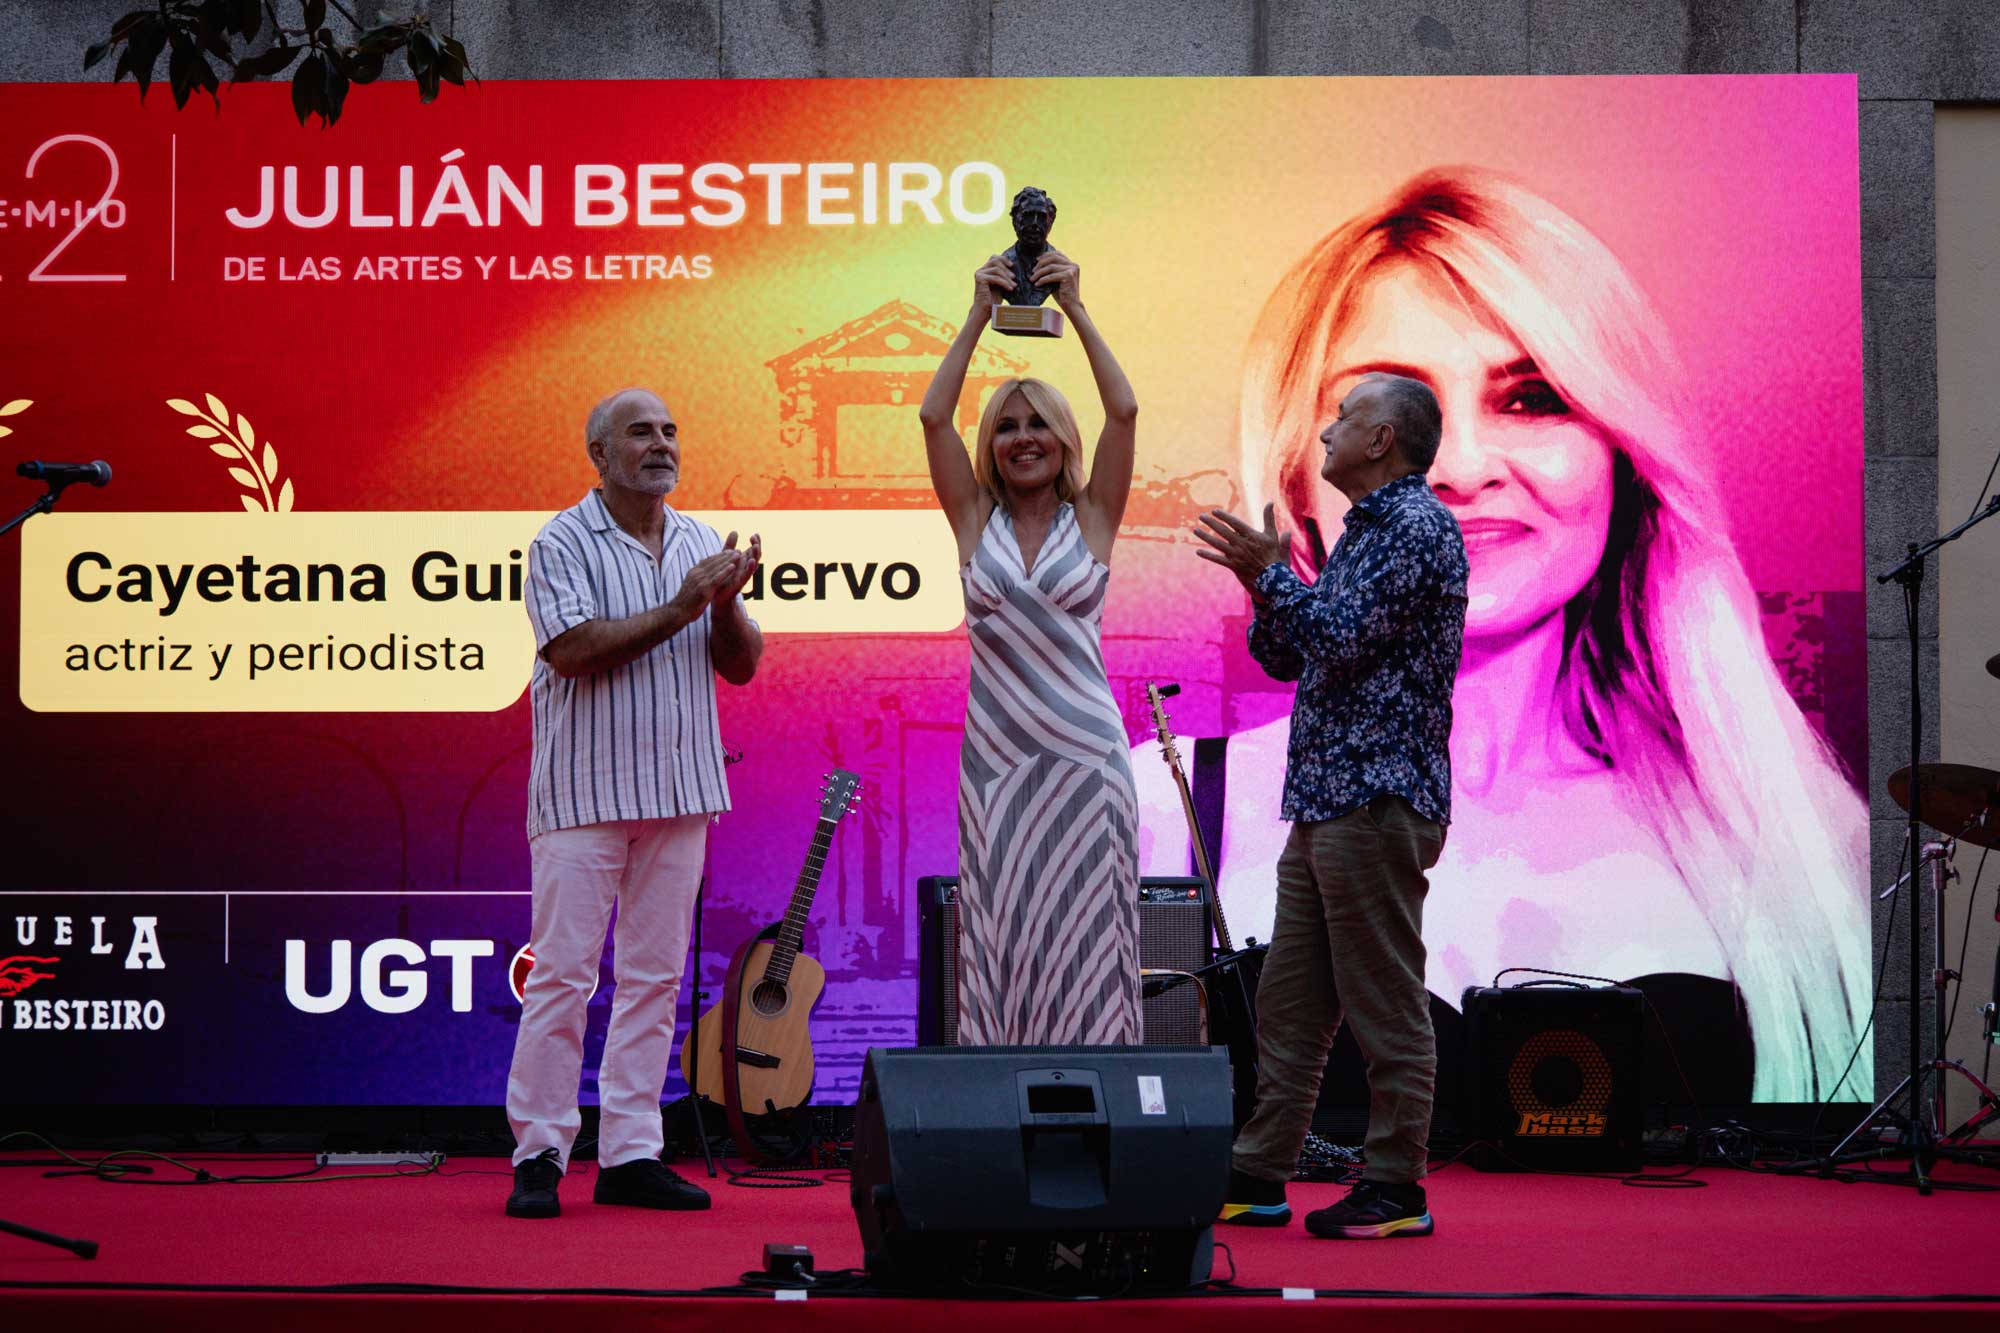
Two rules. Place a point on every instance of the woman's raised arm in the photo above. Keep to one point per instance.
(965, 504)
(1101, 507)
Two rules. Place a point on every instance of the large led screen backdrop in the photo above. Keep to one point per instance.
(267, 735)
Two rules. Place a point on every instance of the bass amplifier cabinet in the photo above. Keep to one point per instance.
(1552, 1077)
(990, 1169)
(1174, 935)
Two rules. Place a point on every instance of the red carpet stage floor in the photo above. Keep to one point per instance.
(1536, 1252)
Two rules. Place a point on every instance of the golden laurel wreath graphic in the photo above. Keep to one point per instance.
(259, 473)
(10, 409)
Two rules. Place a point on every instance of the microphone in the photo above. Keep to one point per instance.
(62, 474)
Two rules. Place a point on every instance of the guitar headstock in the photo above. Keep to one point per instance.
(837, 793)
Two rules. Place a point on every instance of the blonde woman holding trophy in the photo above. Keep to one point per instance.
(1048, 859)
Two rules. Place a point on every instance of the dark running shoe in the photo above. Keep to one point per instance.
(535, 1182)
(1255, 1203)
(647, 1183)
(1374, 1210)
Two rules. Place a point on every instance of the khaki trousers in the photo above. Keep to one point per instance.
(1348, 943)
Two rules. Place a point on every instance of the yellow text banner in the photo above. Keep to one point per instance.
(392, 612)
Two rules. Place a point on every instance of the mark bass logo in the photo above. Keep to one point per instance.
(1550, 1125)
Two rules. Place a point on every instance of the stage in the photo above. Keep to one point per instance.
(435, 1251)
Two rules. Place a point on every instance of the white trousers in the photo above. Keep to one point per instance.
(650, 868)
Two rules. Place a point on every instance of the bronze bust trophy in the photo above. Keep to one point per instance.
(1024, 313)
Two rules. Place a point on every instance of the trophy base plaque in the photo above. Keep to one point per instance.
(1028, 321)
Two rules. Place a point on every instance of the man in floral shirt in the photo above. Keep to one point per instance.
(1374, 645)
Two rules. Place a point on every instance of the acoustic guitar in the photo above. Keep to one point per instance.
(756, 1053)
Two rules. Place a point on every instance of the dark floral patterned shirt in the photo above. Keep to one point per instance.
(1374, 645)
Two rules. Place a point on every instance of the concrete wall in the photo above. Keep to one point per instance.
(1968, 338)
(1910, 55)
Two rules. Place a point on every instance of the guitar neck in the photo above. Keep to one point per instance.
(792, 933)
(1203, 866)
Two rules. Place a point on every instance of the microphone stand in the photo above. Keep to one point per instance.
(1917, 1137)
(42, 505)
(84, 1249)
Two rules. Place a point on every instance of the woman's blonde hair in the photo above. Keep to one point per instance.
(1665, 675)
(1054, 409)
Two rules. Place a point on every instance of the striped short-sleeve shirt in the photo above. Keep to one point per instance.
(640, 741)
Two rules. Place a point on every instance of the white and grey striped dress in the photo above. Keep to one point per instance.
(1047, 817)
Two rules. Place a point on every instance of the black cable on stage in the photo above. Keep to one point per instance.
(777, 1178)
(1875, 1003)
(118, 1168)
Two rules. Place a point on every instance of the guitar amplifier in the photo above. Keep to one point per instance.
(1174, 934)
(1552, 1073)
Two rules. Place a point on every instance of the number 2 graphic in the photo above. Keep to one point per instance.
(84, 216)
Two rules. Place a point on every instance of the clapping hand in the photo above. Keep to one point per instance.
(1243, 550)
(719, 577)
(746, 562)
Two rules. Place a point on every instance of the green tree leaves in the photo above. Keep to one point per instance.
(202, 37)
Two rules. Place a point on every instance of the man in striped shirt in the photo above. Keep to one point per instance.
(636, 610)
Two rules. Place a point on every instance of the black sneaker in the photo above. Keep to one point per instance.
(1374, 1210)
(647, 1183)
(535, 1182)
(1253, 1202)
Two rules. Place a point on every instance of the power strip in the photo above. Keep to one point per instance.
(432, 1160)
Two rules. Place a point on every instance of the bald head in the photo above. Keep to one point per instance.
(1410, 409)
(633, 443)
(597, 427)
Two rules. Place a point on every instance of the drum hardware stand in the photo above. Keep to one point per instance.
(1989, 1035)
(1923, 1085)
(1926, 1105)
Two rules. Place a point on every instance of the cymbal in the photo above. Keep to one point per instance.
(1954, 797)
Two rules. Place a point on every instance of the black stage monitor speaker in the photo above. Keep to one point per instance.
(1553, 1077)
(993, 1167)
(1174, 934)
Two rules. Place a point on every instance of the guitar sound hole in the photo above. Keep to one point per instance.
(768, 999)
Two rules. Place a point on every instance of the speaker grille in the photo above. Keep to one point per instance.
(1173, 934)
